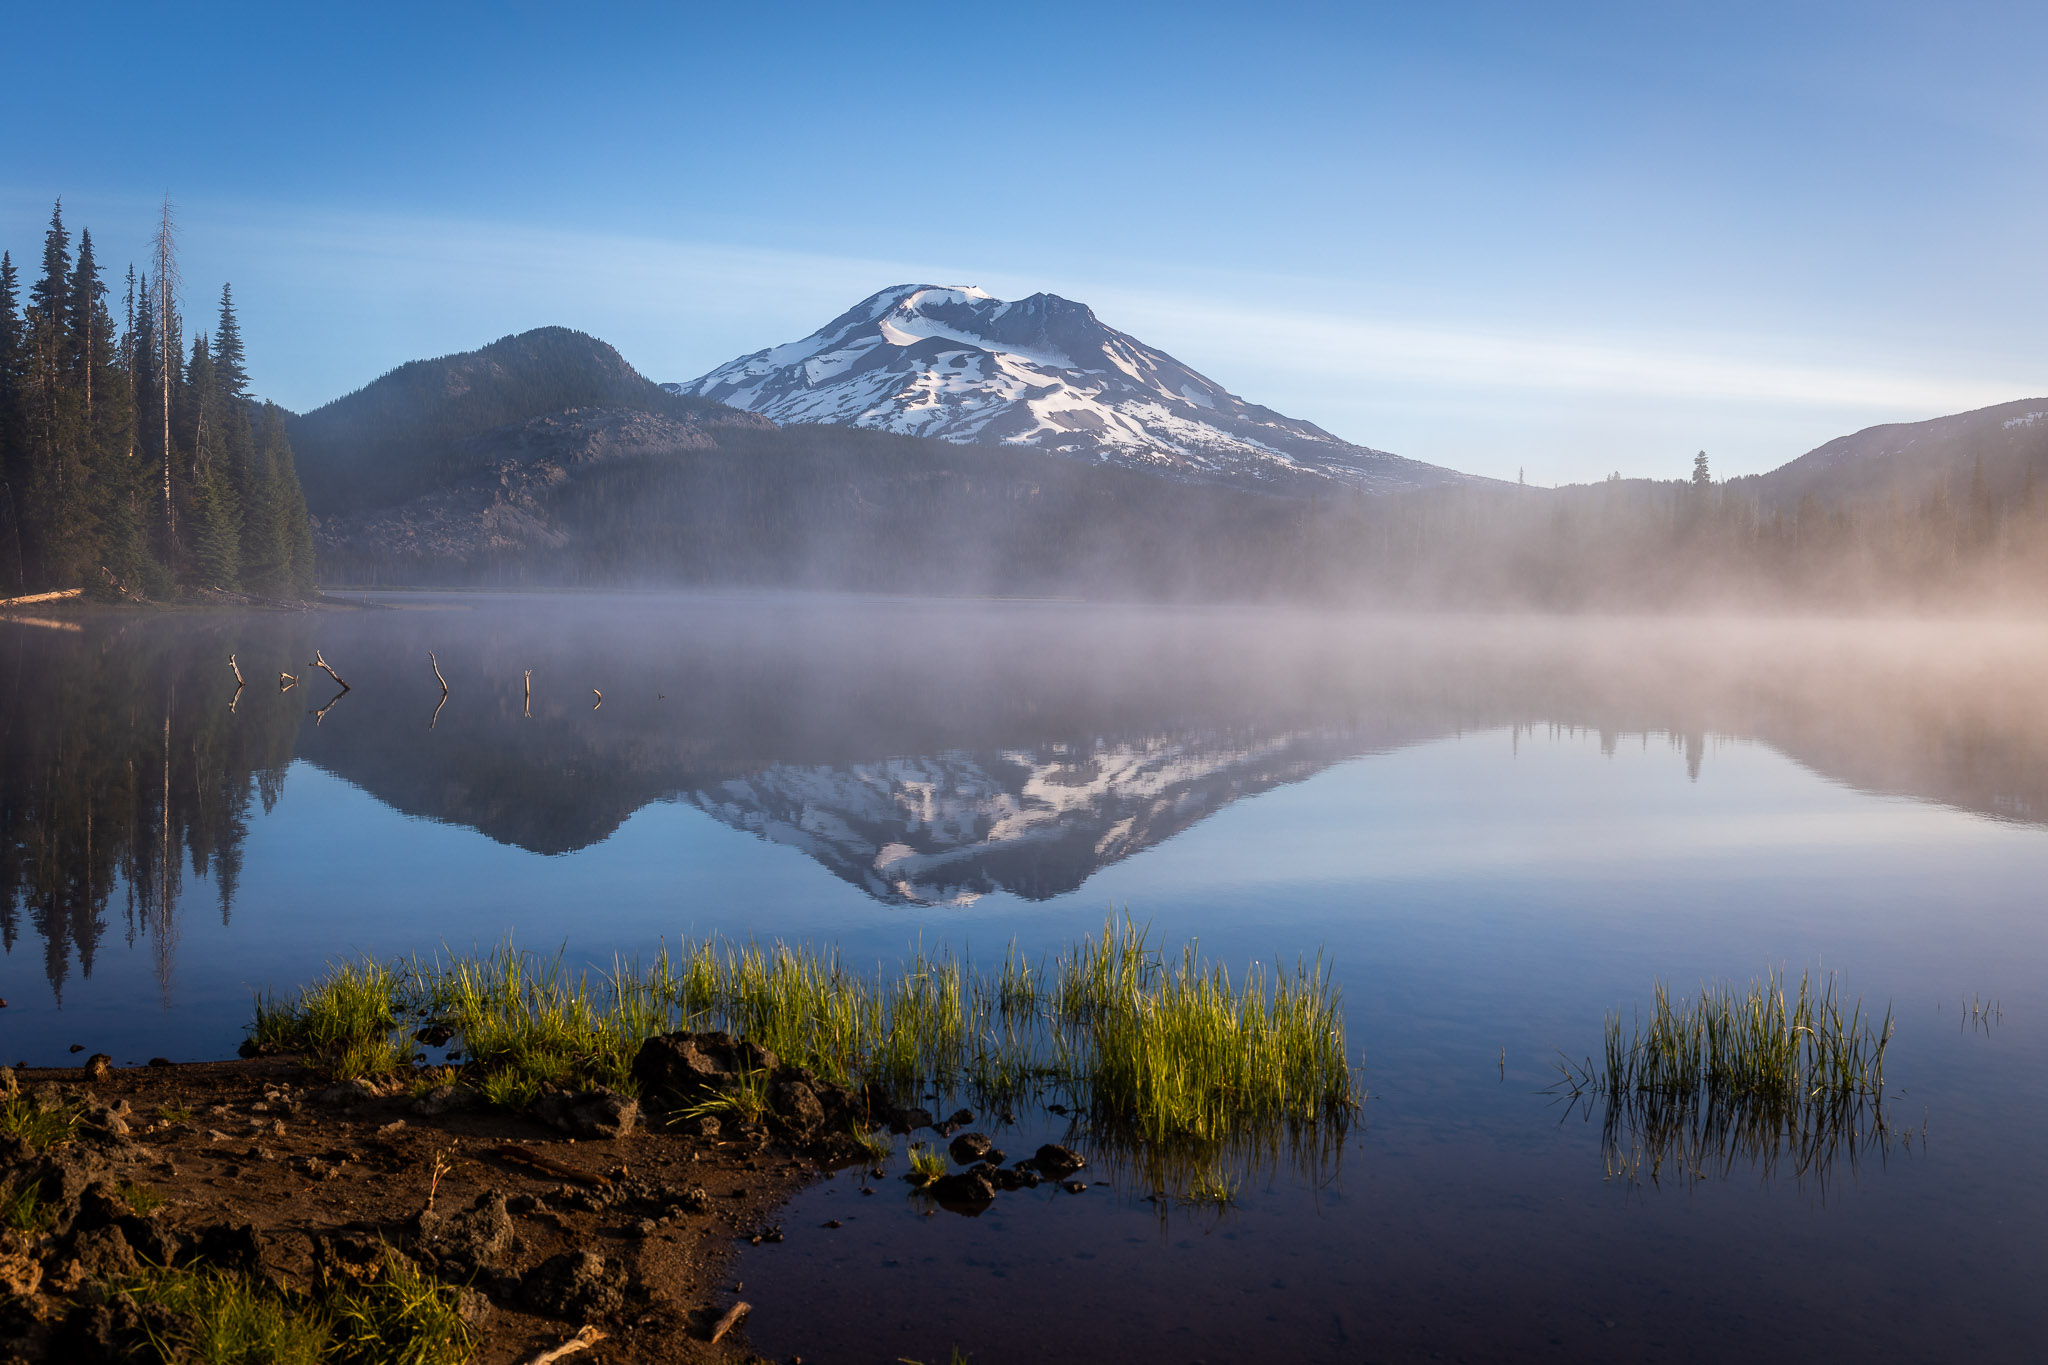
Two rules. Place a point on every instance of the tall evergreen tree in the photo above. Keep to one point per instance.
(247, 477)
(215, 540)
(13, 567)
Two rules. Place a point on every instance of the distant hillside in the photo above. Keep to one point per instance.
(2005, 445)
(409, 432)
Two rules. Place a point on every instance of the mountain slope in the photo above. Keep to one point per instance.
(1914, 459)
(413, 431)
(1043, 372)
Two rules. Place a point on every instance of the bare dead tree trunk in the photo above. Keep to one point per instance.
(166, 263)
(320, 662)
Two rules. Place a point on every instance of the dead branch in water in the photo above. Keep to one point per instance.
(321, 714)
(600, 698)
(320, 662)
(238, 670)
(437, 672)
(435, 719)
(529, 694)
(286, 682)
(584, 1339)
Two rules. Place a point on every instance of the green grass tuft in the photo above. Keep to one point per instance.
(926, 1163)
(229, 1319)
(345, 1024)
(399, 1318)
(42, 1126)
(1732, 1074)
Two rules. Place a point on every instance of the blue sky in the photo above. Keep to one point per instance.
(1570, 238)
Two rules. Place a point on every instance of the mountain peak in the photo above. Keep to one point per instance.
(956, 363)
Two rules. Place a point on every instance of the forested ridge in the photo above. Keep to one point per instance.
(134, 461)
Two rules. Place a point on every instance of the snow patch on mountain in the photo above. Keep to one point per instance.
(957, 364)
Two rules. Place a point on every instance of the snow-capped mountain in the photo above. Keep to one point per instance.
(962, 366)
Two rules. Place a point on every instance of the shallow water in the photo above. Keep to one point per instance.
(1495, 831)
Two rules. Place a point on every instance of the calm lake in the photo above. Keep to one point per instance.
(1494, 831)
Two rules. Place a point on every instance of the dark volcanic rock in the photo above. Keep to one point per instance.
(597, 1113)
(468, 1241)
(576, 1285)
(1056, 1161)
(963, 1191)
(797, 1105)
(684, 1066)
(969, 1148)
(909, 1120)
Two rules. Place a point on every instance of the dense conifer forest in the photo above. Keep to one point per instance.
(134, 462)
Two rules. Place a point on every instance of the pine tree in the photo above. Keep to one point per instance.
(247, 475)
(13, 458)
(295, 530)
(56, 479)
(214, 517)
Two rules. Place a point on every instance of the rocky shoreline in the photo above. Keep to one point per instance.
(576, 1219)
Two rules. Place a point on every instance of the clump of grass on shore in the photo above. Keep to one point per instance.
(1181, 1052)
(345, 1024)
(1750, 1073)
(401, 1317)
(41, 1125)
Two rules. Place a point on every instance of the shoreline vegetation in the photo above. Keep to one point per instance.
(1162, 1048)
(338, 1196)
(135, 464)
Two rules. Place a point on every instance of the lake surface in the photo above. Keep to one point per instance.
(1494, 831)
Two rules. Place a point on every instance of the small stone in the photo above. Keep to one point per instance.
(161, 1061)
(833, 1223)
(1074, 1186)
(99, 1066)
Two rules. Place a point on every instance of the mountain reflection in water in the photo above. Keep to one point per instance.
(924, 752)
